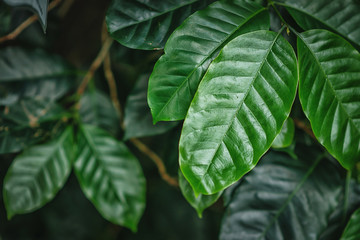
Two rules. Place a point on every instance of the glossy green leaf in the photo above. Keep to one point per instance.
(239, 108)
(38, 6)
(33, 73)
(341, 16)
(352, 230)
(283, 198)
(27, 122)
(38, 174)
(110, 177)
(148, 24)
(97, 109)
(286, 135)
(138, 119)
(190, 50)
(329, 91)
(201, 202)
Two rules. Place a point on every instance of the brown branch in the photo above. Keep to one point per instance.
(27, 23)
(157, 160)
(304, 127)
(95, 65)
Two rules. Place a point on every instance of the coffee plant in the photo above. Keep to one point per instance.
(252, 108)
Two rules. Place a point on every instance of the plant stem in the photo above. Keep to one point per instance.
(304, 127)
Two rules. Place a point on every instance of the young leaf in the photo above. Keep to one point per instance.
(38, 6)
(329, 72)
(339, 16)
(239, 108)
(148, 24)
(352, 230)
(201, 202)
(286, 135)
(190, 50)
(32, 73)
(110, 177)
(38, 174)
(138, 119)
(284, 198)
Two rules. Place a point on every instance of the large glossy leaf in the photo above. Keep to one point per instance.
(352, 230)
(190, 50)
(329, 91)
(239, 108)
(32, 73)
(283, 198)
(145, 24)
(97, 109)
(110, 177)
(286, 135)
(38, 6)
(200, 202)
(341, 16)
(27, 122)
(38, 174)
(138, 120)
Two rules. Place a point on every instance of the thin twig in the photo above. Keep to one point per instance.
(95, 65)
(157, 160)
(304, 127)
(27, 23)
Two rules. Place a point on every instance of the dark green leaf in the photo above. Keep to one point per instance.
(285, 137)
(329, 91)
(138, 119)
(5, 19)
(38, 174)
(148, 24)
(27, 122)
(32, 73)
(110, 177)
(190, 50)
(283, 198)
(352, 230)
(201, 202)
(38, 6)
(239, 108)
(97, 109)
(341, 16)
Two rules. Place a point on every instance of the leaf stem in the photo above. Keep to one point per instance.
(305, 128)
(27, 23)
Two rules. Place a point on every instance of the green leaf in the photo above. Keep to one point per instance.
(38, 174)
(5, 19)
(283, 198)
(97, 109)
(138, 119)
(27, 122)
(148, 24)
(239, 108)
(329, 72)
(286, 135)
(190, 50)
(352, 230)
(338, 16)
(110, 177)
(38, 6)
(33, 73)
(201, 202)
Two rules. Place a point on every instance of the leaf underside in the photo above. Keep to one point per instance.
(190, 50)
(239, 108)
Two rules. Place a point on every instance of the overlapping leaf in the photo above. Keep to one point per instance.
(110, 177)
(27, 122)
(283, 198)
(148, 24)
(352, 230)
(286, 135)
(138, 119)
(38, 6)
(201, 202)
(32, 73)
(190, 50)
(329, 91)
(339, 16)
(38, 174)
(239, 108)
